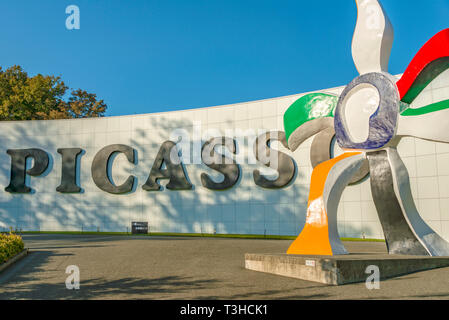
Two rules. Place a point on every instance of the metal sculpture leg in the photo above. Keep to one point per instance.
(405, 231)
(320, 233)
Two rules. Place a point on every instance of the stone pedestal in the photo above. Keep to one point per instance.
(338, 270)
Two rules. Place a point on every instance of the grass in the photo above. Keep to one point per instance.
(205, 235)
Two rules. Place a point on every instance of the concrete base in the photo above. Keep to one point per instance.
(338, 270)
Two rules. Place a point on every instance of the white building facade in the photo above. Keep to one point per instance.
(244, 208)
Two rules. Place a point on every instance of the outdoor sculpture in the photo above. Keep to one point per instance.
(369, 118)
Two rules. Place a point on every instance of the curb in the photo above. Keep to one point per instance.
(14, 259)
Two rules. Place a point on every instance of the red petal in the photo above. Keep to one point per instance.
(431, 60)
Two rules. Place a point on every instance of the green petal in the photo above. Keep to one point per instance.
(309, 107)
(427, 109)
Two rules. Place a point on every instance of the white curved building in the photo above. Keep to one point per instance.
(245, 208)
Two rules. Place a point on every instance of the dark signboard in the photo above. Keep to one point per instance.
(139, 227)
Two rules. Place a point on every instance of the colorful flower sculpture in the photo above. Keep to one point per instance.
(369, 119)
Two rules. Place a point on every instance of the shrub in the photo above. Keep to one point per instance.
(10, 245)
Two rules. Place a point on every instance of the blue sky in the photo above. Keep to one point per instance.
(144, 56)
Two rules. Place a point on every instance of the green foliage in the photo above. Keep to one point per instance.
(10, 245)
(42, 98)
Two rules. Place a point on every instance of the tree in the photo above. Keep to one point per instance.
(43, 97)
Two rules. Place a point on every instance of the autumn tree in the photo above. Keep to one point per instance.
(43, 97)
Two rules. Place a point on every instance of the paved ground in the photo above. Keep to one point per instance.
(120, 267)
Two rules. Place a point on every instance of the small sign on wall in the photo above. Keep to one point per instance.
(310, 263)
(139, 227)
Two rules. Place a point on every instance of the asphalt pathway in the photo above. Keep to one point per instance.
(131, 267)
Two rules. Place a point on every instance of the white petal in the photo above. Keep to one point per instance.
(373, 38)
(359, 105)
(430, 126)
